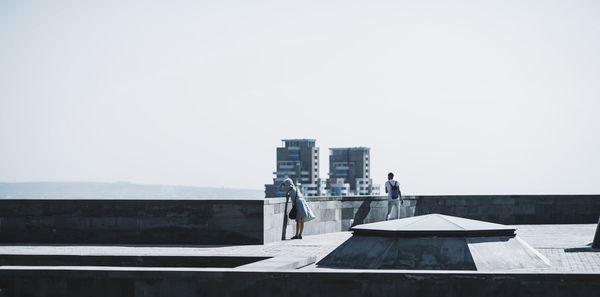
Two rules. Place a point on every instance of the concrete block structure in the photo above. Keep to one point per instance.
(257, 221)
(233, 247)
(131, 221)
(435, 242)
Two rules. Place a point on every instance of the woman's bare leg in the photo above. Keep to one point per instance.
(297, 228)
(301, 226)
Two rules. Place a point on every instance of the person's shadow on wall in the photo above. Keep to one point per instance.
(362, 212)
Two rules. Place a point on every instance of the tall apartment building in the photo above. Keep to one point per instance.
(297, 159)
(349, 172)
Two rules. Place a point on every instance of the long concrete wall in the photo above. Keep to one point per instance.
(336, 214)
(212, 221)
(190, 221)
(117, 283)
(516, 209)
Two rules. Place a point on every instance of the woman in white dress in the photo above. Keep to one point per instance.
(304, 213)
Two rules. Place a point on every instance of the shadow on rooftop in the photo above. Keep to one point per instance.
(588, 249)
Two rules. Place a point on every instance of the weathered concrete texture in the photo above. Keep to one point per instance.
(198, 221)
(310, 246)
(566, 246)
(557, 236)
(368, 252)
(434, 242)
(505, 253)
(238, 262)
(117, 283)
(435, 253)
(128, 261)
(333, 214)
(433, 225)
(515, 209)
(211, 221)
(285, 262)
(327, 212)
(357, 210)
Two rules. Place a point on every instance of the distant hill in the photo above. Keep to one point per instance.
(92, 190)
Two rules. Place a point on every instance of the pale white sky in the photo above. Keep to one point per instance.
(456, 97)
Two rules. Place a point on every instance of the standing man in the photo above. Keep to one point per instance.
(392, 188)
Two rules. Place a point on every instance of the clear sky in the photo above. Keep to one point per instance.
(456, 97)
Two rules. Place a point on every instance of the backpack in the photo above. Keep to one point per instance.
(395, 190)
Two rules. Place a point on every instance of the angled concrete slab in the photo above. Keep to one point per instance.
(433, 225)
(434, 242)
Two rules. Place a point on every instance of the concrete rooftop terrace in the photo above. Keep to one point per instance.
(567, 247)
(224, 247)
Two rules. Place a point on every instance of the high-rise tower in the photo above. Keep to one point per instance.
(297, 159)
(349, 172)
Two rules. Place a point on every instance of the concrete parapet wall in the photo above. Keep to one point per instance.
(358, 210)
(190, 221)
(341, 213)
(117, 283)
(244, 221)
(515, 209)
(326, 209)
(333, 214)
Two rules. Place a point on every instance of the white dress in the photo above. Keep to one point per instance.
(302, 207)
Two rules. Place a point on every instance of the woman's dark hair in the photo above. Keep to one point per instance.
(391, 174)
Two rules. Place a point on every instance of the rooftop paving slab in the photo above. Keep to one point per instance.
(566, 246)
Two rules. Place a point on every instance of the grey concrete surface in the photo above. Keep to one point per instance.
(281, 262)
(433, 225)
(333, 214)
(434, 242)
(503, 209)
(130, 260)
(567, 247)
(505, 254)
(515, 209)
(373, 252)
(246, 221)
(574, 264)
(437, 253)
(326, 209)
(316, 245)
(557, 236)
(574, 271)
(122, 282)
(120, 221)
